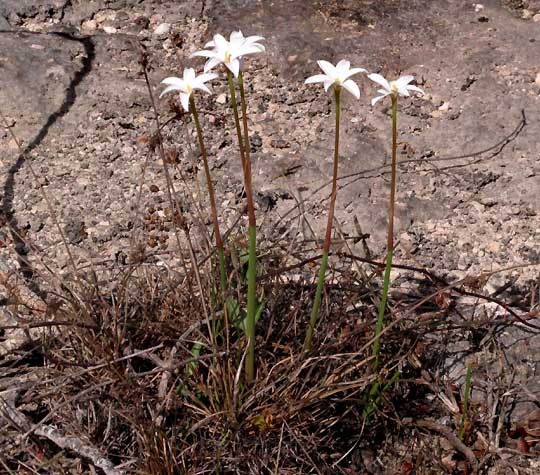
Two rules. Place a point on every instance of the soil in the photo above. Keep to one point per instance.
(469, 175)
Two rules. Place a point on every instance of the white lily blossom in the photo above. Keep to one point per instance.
(337, 76)
(230, 52)
(237, 39)
(400, 86)
(187, 85)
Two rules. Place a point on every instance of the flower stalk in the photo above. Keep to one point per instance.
(212, 198)
(328, 236)
(338, 78)
(243, 141)
(389, 240)
(399, 87)
(252, 251)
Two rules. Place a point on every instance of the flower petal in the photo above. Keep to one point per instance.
(414, 88)
(254, 38)
(328, 68)
(380, 80)
(205, 77)
(317, 78)
(203, 53)
(327, 84)
(234, 67)
(342, 67)
(401, 88)
(169, 89)
(202, 87)
(378, 98)
(211, 63)
(352, 87)
(189, 75)
(403, 80)
(236, 35)
(173, 81)
(352, 72)
(245, 49)
(220, 42)
(184, 99)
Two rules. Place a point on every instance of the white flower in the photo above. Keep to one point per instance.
(338, 76)
(399, 86)
(237, 39)
(230, 52)
(187, 85)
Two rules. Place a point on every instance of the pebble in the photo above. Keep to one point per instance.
(89, 25)
(162, 29)
(536, 18)
(109, 30)
(493, 247)
(445, 106)
(221, 99)
(478, 7)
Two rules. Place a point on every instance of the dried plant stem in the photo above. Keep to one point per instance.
(390, 239)
(252, 256)
(212, 197)
(328, 236)
(467, 395)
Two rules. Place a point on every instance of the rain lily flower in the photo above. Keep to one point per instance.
(400, 86)
(237, 39)
(337, 76)
(187, 85)
(230, 52)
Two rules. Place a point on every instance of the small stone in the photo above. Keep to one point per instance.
(105, 15)
(526, 14)
(89, 25)
(110, 30)
(478, 206)
(221, 99)
(536, 17)
(488, 201)
(445, 106)
(537, 79)
(463, 262)
(478, 7)
(494, 247)
(162, 29)
(280, 143)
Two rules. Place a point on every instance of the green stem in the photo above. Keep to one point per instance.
(251, 303)
(390, 239)
(252, 258)
(328, 236)
(212, 197)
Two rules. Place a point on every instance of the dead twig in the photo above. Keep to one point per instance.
(449, 435)
(20, 422)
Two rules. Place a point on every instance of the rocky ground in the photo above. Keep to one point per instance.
(469, 178)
